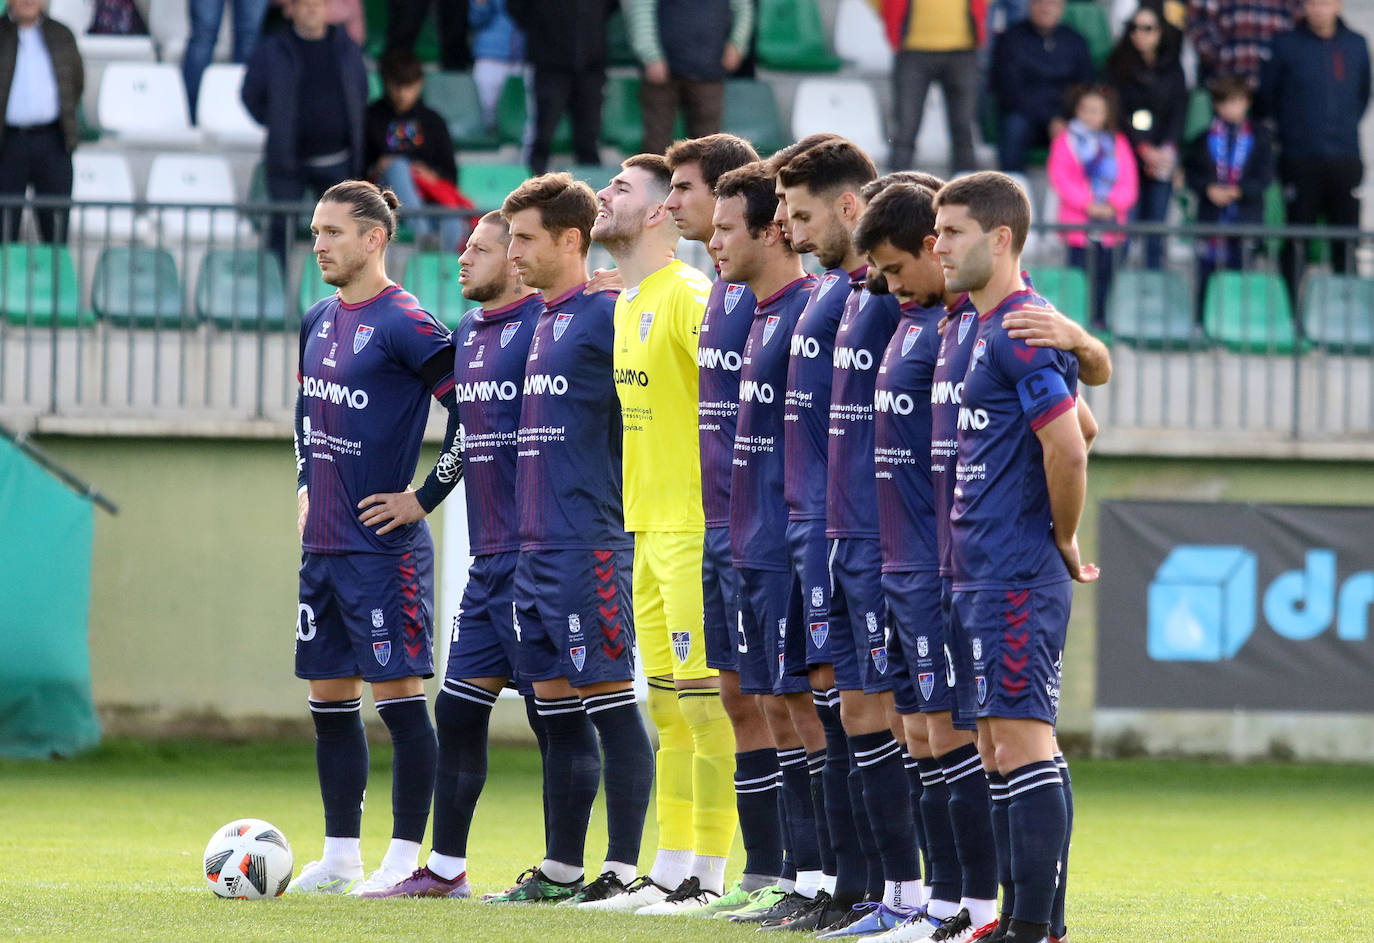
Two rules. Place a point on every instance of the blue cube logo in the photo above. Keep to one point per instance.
(1201, 603)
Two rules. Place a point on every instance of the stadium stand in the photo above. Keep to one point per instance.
(1249, 312)
(791, 37)
(454, 96)
(433, 276)
(138, 287)
(751, 112)
(511, 111)
(145, 102)
(38, 286)
(200, 179)
(219, 97)
(241, 289)
(844, 106)
(1066, 286)
(1338, 312)
(859, 38)
(1089, 19)
(1151, 309)
(102, 176)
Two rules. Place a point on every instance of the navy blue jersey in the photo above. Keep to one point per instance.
(758, 513)
(1001, 524)
(366, 405)
(489, 376)
(567, 479)
(946, 394)
(901, 442)
(851, 498)
(729, 311)
(806, 411)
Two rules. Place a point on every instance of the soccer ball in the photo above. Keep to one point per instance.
(248, 859)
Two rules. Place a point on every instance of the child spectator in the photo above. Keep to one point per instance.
(1092, 169)
(406, 146)
(1228, 168)
(498, 52)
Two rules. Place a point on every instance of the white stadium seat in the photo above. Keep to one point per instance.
(843, 106)
(195, 178)
(102, 176)
(144, 101)
(226, 119)
(860, 39)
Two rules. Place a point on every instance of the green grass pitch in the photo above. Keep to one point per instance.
(107, 847)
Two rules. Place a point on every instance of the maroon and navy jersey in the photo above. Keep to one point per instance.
(1001, 524)
(567, 479)
(489, 377)
(758, 513)
(851, 498)
(729, 311)
(901, 442)
(806, 412)
(365, 409)
(946, 394)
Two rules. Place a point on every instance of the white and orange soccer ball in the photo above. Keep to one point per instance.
(248, 859)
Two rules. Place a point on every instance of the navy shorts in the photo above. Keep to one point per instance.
(918, 630)
(486, 641)
(964, 713)
(812, 646)
(574, 614)
(365, 615)
(856, 600)
(766, 600)
(1016, 644)
(720, 591)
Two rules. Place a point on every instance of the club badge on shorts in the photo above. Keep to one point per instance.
(578, 653)
(382, 652)
(820, 631)
(682, 645)
(927, 681)
(879, 658)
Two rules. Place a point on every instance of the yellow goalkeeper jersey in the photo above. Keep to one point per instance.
(656, 326)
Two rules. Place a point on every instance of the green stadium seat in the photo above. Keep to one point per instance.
(138, 287)
(375, 89)
(510, 118)
(751, 112)
(1338, 312)
(622, 121)
(1089, 19)
(375, 12)
(618, 49)
(241, 289)
(1249, 312)
(1150, 309)
(38, 286)
(454, 96)
(791, 37)
(312, 284)
(1065, 287)
(432, 277)
(1198, 118)
(487, 185)
(595, 176)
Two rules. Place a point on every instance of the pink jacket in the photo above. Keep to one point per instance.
(1070, 181)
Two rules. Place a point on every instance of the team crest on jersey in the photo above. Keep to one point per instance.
(982, 685)
(965, 320)
(578, 654)
(927, 681)
(979, 349)
(863, 298)
(377, 618)
(879, 658)
(922, 647)
(780, 671)
(817, 597)
(826, 283)
(560, 324)
(682, 645)
(977, 649)
(382, 652)
(508, 332)
(733, 293)
(361, 336)
(770, 326)
(912, 333)
(646, 321)
(782, 628)
(820, 631)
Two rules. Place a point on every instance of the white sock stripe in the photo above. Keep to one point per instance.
(889, 745)
(789, 758)
(344, 706)
(469, 692)
(997, 792)
(1038, 769)
(874, 760)
(556, 707)
(755, 790)
(1048, 780)
(932, 778)
(832, 697)
(604, 702)
(554, 701)
(954, 777)
(770, 778)
(961, 769)
(401, 700)
(1060, 761)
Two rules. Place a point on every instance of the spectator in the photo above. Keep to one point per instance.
(116, 18)
(498, 49)
(205, 16)
(349, 15)
(407, 148)
(687, 50)
(42, 78)
(1228, 169)
(307, 85)
(565, 45)
(1316, 87)
(1092, 169)
(406, 17)
(1144, 70)
(934, 42)
(1232, 36)
(1034, 64)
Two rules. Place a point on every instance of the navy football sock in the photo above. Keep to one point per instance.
(341, 759)
(572, 769)
(462, 713)
(1058, 926)
(1001, 833)
(815, 770)
(1037, 823)
(799, 810)
(757, 801)
(916, 791)
(868, 846)
(629, 770)
(971, 818)
(882, 775)
(541, 737)
(943, 876)
(413, 759)
(851, 870)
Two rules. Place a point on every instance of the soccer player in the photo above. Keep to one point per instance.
(370, 359)
(572, 581)
(657, 319)
(1020, 481)
(696, 165)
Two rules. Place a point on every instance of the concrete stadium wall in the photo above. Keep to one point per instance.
(193, 602)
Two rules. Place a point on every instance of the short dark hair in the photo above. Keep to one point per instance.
(657, 167)
(368, 204)
(755, 184)
(1225, 87)
(499, 221)
(915, 177)
(715, 154)
(783, 155)
(1104, 92)
(903, 214)
(563, 204)
(993, 199)
(400, 67)
(829, 167)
